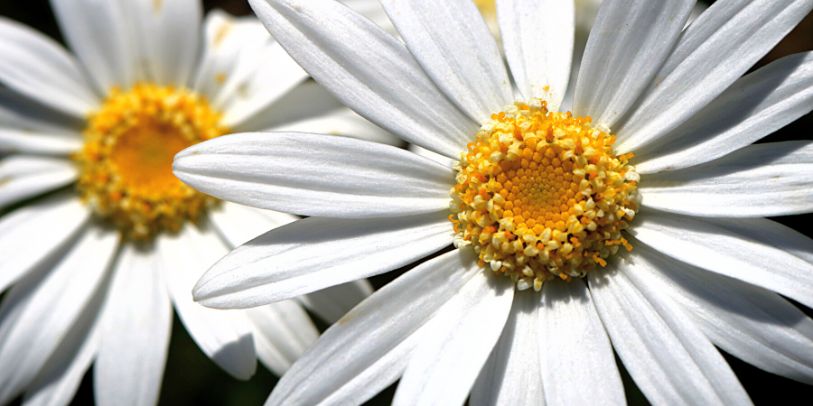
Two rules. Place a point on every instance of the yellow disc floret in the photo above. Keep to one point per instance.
(126, 162)
(541, 195)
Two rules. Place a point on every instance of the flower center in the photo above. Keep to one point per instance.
(541, 194)
(126, 162)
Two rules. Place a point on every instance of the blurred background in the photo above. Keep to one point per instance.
(191, 379)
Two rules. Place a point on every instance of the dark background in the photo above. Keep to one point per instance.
(190, 378)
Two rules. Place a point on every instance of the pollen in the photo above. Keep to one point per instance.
(126, 161)
(541, 195)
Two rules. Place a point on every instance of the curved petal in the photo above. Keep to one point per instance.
(771, 179)
(753, 107)
(316, 253)
(445, 364)
(31, 234)
(370, 346)
(39, 68)
(753, 324)
(223, 335)
(670, 360)
(368, 70)
(716, 49)
(538, 40)
(455, 48)
(574, 341)
(97, 31)
(512, 375)
(12, 142)
(629, 42)
(166, 35)
(282, 333)
(239, 224)
(136, 324)
(20, 113)
(315, 175)
(729, 247)
(22, 177)
(332, 303)
(54, 297)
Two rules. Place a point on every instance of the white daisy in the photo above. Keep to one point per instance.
(538, 196)
(97, 266)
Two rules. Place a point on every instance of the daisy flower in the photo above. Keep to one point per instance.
(630, 220)
(102, 241)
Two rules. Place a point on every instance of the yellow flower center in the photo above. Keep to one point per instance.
(541, 195)
(126, 162)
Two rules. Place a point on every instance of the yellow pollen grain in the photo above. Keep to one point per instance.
(126, 161)
(541, 195)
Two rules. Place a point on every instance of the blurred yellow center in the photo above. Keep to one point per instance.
(126, 162)
(541, 195)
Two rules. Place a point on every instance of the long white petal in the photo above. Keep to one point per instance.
(445, 364)
(39, 68)
(316, 175)
(761, 180)
(282, 333)
(20, 113)
(332, 303)
(713, 52)
(670, 360)
(14, 141)
(753, 107)
(98, 32)
(136, 325)
(346, 122)
(368, 348)
(54, 297)
(512, 375)
(368, 70)
(239, 224)
(166, 36)
(316, 253)
(629, 42)
(22, 177)
(538, 40)
(572, 340)
(456, 49)
(223, 335)
(31, 234)
(730, 247)
(753, 324)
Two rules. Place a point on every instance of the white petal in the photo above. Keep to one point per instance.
(538, 40)
(282, 332)
(275, 74)
(751, 323)
(223, 335)
(715, 50)
(136, 326)
(31, 234)
(306, 101)
(512, 375)
(368, 348)
(315, 175)
(97, 31)
(572, 340)
(332, 303)
(730, 247)
(455, 48)
(20, 113)
(343, 121)
(368, 70)
(628, 44)
(443, 367)
(167, 36)
(38, 67)
(671, 361)
(753, 107)
(239, 224)
(316, 253)
(371, 10)
(13, 141)
(22, 177)
(54, 297)
(769, 179)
